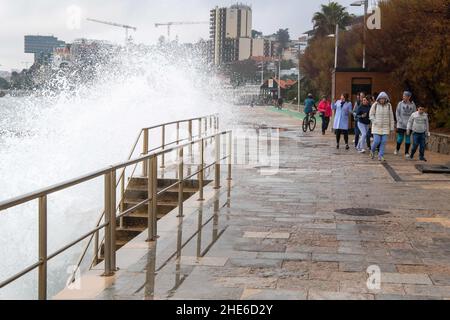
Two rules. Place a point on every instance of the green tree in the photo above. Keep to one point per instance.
(256, 34)
(283, 38)
(333, 14)
(287, 64)
(4, 84)
(417, 35)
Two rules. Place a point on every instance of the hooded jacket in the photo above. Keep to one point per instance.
(382, 116)
(403, 113)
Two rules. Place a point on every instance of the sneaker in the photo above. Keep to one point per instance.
(372, 155)
(396, 152)
(362, 151)
(424, 160)
(337, 147)
(347, 147)
(410, 158)
(407, 156)
(381, 159)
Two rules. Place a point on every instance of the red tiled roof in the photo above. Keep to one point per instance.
(285, 84)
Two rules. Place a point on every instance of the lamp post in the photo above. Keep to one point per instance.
(364, 3)
(336, 45)
(279, 77)
(299, 78)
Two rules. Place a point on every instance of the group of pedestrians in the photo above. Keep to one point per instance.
(375, 120)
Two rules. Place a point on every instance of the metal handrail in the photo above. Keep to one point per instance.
(110, 209)
(121, 181)
(6, 204)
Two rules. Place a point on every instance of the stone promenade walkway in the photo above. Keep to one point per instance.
(284, 238)
(308, 230)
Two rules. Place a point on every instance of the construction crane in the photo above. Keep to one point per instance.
(170, 24)
(116, 25)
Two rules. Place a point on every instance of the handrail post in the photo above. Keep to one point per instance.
(96, 249)
(199, 128)
(206, 128)
(42, 277)
(180, 182)
(122, 196)
(113, 219)
(108, 233)
(230, 154)
(163, 146)
(144, 152)
(190, 137)
(152, 189)
(201, 171)
(217, 162)
(178, 133)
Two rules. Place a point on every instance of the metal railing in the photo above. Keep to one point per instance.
(150, 160)
(205, 125)
(203, 129)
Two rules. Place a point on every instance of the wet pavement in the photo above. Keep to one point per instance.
(305, 224)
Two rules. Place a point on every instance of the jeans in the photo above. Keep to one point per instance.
(325, 122)
(402, 136)
(357, 134)
(363, 128)
(369, 137)
(380, 140)
(338, 136)
(419, 141)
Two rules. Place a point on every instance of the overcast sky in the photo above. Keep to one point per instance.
(51, 17)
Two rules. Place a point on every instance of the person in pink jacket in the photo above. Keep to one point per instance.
(326, 113)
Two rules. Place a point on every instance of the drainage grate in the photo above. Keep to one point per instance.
(362, 212)
(438, 169)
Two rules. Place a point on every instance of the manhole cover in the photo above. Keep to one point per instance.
(363, 212)
(438, 169)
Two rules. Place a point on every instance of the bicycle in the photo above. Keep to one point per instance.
(310, 122)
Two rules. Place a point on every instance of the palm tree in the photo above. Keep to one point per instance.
(325, 20)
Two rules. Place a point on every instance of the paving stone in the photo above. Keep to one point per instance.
(429, 291)
(204, 261)
(284, 255)
(254, 263)
(397, 297)
(323, 295)
(270, 294)
(294, 283)
(267, 235)
(337, 257)
(361, 287)
(405, 278)
(440, 279)
(247, 282)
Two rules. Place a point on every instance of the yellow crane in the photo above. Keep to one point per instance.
(170, 24)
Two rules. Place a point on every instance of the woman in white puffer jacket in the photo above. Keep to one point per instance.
(383, 123)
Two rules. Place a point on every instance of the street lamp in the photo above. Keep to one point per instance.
(336, 45)
(364, 3)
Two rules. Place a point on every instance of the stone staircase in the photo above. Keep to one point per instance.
(137, 222)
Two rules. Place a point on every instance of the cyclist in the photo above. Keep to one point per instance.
(280, 103)
(310, 104)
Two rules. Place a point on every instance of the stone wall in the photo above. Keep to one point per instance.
(439, 143)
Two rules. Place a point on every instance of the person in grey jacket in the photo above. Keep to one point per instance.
(419, 125)
(404, 111)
